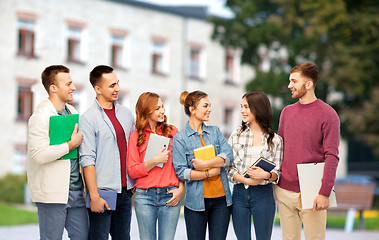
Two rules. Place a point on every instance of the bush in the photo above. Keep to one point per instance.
(12, 188)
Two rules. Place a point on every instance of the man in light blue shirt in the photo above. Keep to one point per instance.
(106, 126)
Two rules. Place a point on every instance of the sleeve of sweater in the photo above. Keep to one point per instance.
(136, 166)
(39, 148)
(331, 139)
(281, 123)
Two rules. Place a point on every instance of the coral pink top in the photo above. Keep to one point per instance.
(156, 177)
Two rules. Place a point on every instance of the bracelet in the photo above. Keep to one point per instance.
(207, 174)
(269, 177)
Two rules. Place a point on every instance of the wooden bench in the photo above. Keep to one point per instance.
(354, 197)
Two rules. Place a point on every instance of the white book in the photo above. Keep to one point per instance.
(310, 175)
(155, 144)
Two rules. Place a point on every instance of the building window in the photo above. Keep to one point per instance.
(117, 51)
(123, 98)
(19, 159)
(231, 68)
(228, 121)
(26, 37)
(194, 63)
(74, 44)
(24, 102)
(75, 99)
(157, 57)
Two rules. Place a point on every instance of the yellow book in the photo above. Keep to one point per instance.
(205, 153)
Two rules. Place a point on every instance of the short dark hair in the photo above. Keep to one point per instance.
(307, 70)
(48, 75)
(96, 74)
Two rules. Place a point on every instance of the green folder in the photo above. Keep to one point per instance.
(60, 131)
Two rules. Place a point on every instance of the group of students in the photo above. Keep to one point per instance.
(112, 147)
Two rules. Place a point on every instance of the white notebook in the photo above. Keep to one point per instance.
(155, 144)
(310, 175)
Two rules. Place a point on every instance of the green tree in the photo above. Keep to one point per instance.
(340, 37)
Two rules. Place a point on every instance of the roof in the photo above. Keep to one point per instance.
(197, 12)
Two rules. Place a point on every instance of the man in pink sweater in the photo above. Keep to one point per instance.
(310, 130)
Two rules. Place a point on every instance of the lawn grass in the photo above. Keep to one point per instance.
(10, 215)
(338, 221)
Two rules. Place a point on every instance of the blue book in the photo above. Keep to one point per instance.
(108, 195)
(262, 163)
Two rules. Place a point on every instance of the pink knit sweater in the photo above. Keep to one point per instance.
(311, 134)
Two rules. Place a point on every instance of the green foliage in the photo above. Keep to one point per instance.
(274, 85)
(340, 37)
(12, 188)
(10, 215)
(338, 221)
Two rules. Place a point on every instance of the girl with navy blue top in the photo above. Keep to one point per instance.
(208, 198)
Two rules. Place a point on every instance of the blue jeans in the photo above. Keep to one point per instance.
(54, 217)
(117, 222)
(257, 201)
(216, 215)
(150, 206)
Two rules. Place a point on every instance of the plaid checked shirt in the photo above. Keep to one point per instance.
(242, 158)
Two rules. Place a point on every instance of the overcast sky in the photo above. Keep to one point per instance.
(215, 7)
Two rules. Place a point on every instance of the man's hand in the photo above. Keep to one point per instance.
(321, 203)
(98, 204)
(76, 138)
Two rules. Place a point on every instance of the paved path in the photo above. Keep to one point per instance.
(26, 232)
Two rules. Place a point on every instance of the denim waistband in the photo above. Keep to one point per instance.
(157, 190)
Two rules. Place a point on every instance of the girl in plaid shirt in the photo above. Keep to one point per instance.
(253, 192)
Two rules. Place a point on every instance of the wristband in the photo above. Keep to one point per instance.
(207, 174)
(269, 177)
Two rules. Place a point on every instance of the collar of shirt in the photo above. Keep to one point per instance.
(189, 130)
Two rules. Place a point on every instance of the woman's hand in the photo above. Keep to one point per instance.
(257, 173)
(176, 195)
(161, 156)
(214, 172)
(199, 164)
(253, 182)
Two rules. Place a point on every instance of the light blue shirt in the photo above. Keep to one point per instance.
(184, 143)
(99, 146)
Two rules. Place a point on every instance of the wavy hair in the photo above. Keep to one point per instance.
(145, 106)
(260, 107)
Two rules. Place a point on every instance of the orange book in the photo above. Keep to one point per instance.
(205, 153)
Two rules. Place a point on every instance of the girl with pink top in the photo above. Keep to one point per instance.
(158, 190)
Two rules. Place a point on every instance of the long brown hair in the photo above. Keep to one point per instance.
(260, 107)
(145, 106)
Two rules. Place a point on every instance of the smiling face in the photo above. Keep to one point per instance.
(202, 110)
(158, 114)
(299, 85)
(247, 115)
(108, 88)
(64, 87)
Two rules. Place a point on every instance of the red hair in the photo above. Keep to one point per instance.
(145, 106)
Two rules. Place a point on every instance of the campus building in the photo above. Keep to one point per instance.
(153, 48)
